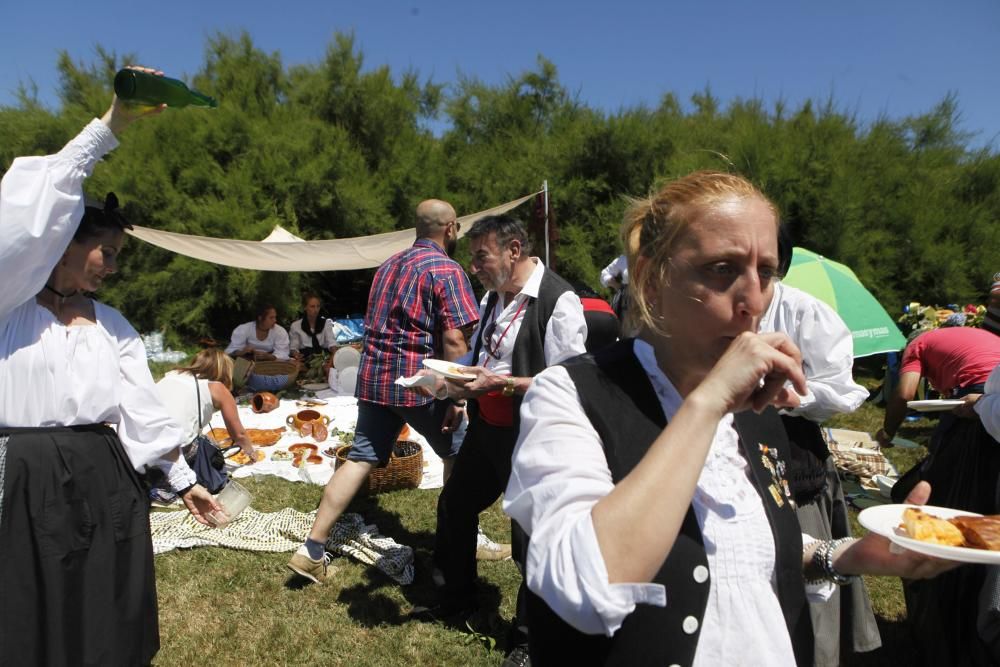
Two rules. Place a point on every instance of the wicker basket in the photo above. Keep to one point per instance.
(289, 369)
(404, 470)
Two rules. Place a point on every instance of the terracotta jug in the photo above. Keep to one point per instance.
(263, 401)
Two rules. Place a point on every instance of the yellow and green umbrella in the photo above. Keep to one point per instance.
(873, 329)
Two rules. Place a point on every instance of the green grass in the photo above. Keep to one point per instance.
(225, 607)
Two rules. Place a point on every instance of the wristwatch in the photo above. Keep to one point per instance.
(508, 388)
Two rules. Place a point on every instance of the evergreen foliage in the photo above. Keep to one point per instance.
(335, 149)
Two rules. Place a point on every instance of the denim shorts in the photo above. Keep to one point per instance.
(379, 426)
(266, 382)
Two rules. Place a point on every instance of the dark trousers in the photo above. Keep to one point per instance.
(480, 475)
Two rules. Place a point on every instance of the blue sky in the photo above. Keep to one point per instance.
(891, 57)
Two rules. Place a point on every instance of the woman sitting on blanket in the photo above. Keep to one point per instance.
(313, 333)
(262, 339)
(312, 336)
(650, 476)
(192, 394)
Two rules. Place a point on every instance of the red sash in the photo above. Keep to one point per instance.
(596, 305)
(496, 409)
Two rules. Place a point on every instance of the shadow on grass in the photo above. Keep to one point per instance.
(375, 602)
(296, 582)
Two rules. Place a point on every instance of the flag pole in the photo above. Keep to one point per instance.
(545, 189)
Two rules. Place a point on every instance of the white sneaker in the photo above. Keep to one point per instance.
(487, 549)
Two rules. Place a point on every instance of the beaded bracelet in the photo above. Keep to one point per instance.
(822, 561)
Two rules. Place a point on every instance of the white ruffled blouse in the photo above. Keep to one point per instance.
(276, 341)
(57, 375)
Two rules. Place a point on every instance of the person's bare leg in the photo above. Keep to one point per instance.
(339, 492)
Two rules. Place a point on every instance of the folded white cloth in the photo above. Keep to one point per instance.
(415, 381)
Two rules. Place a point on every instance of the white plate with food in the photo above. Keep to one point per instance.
(938, 536)
(938, 405)
(447, 369)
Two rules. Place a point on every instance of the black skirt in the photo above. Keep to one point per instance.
(76, 560)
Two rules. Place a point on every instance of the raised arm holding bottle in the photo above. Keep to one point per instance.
(79, 417)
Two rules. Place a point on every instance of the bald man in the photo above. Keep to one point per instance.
(420, 302)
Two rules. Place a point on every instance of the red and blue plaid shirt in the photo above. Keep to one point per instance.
(416, 296)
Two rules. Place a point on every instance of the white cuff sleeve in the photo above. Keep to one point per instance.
(611, 602)
(179, 473)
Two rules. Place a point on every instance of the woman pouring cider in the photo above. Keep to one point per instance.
(79, 415)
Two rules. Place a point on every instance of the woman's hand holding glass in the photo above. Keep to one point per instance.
(200, 503)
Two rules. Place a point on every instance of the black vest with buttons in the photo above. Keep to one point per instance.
(623, 408)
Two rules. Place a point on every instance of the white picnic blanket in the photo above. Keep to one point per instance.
(343, 414)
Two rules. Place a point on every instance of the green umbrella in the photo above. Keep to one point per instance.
(873, 329)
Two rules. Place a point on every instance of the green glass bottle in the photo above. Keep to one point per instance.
(152, 90)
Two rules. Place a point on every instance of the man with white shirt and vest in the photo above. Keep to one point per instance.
(530, 318)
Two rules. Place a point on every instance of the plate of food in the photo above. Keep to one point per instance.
(942, 532)
(937, 405)
(281, 455)
(330, 452)
(447, 369)
(241, 459)
(315, 386)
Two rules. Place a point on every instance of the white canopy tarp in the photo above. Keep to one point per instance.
(283, 251)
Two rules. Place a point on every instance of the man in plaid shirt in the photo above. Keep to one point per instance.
(419, 304)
